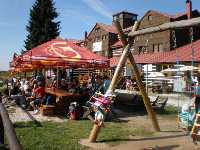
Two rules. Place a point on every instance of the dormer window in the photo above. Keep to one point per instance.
(150, 17)
(97, 30)
(115, 18)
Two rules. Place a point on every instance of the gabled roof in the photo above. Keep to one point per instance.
(176, 16)
(124, 12)
(108, 28)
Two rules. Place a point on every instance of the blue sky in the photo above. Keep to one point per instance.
(76, 16)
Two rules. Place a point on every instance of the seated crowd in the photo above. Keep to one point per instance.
(30, 93)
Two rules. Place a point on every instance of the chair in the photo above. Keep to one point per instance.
(160, 105)
(153, 103)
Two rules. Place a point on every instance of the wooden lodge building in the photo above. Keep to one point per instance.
(103, 38)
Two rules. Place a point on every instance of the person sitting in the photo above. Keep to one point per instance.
(39, 95)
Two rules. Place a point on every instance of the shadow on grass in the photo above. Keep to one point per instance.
(141, 139)
(29, 124)
(169, 147)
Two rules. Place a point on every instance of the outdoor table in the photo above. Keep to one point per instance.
(60, 93)
(62, 97)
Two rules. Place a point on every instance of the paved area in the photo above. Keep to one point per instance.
(174, 99)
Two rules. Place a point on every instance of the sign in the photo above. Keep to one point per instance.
(149, 68)
(97, 47)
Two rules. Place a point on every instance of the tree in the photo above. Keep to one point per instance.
(42, 26)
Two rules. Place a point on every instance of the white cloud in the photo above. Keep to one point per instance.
(72, 12)
(99, 7)
(4, 24)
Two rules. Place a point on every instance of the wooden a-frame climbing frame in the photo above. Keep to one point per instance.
(126, 53)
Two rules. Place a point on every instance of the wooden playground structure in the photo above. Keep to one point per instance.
(128, 55)
(127, 43)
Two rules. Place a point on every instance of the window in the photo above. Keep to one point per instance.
(160, 47)
(150, 17)
(97, 39)
(143, 50)
(115, 18)
(155, 48)
(97, 30)
(104, 37)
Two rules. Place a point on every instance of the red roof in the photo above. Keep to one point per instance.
(182, 54)
(117, 44)
(169, 15)
(108, 28)
(59, 52)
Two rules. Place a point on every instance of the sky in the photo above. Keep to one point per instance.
(76, 16)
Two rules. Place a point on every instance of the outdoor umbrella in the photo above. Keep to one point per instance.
(188, 68)
(62, 53)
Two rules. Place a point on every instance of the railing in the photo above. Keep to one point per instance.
(7, 128)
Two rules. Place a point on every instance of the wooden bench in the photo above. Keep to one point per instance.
(47, 110)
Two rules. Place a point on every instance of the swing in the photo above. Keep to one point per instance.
(186, 115)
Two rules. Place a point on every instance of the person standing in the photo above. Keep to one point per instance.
(197, 96)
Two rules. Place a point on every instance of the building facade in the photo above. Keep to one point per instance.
(169, 39)
(102, 37)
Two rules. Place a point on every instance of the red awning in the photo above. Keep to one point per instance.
(59, 52)
(182, 54)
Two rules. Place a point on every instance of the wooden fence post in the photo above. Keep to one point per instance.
(1, 132)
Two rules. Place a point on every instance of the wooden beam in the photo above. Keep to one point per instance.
(123, 57)
(167, 26)
(143, 92)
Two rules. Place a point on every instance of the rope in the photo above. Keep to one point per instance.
(178, 72)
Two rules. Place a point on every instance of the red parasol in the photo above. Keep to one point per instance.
(59, 52)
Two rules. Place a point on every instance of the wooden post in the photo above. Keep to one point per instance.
(57, 73)
(94, 133)
(167, 26)
(123, 57)
(1, 132)
(118, 70)
(96, 129)
(145, 97)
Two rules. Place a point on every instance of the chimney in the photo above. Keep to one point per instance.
(86, 35)
(189, 9)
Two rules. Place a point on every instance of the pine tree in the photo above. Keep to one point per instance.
(42, 26)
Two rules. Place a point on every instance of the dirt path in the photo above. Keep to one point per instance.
(170, 138)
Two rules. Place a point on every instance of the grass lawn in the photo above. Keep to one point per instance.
(65, 136)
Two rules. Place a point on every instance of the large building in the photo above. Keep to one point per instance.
(102, 37)
(164, 41)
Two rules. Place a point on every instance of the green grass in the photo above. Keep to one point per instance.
(168, 110)
(65, 136)
(4, 75)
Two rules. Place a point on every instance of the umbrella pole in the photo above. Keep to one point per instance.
(57, 78)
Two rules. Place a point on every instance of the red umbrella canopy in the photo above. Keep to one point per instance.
(61, 52)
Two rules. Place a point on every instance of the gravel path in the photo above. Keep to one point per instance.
(17, 114)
